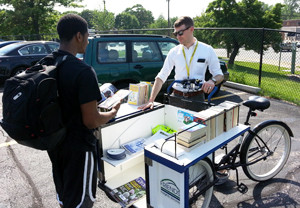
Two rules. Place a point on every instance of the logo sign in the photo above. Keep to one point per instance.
(169, 188)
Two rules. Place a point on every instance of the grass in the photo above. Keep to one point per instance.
(279, 84)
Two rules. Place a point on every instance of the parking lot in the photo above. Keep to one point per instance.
(26, 178)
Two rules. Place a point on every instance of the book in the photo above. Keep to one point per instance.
(219, 119)
(138, 93)
(107, 90)
(139, 144)
(192, 131)
(208, 117)
(107, 104)
(149, 86)
(129, 193)
(231, 115)
(201, 140)
(190, 139)
(184, 117)
(134, 146)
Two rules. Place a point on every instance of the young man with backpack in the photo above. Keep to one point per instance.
(74, 161)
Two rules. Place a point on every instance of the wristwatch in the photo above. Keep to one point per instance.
(214, 80)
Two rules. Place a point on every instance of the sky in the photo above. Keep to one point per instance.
(178, 8)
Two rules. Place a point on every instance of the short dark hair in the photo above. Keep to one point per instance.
(69, 25)
(184, 20)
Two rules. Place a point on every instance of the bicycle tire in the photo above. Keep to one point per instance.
(277, 136)
(201, 175)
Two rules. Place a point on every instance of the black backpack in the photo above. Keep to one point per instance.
(31, 109)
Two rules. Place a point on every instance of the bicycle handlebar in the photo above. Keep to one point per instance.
(197, 82)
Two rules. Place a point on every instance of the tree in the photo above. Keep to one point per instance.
(291, 9)
(126, 20)
(144, 16)
(103, 20)
(33, 17)
(88, 15)
(99, 20)
(159, 23)
(244, 14)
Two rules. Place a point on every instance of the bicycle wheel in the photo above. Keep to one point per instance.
(266, 151)
(201, 181)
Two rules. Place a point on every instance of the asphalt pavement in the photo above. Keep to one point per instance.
(26, 178)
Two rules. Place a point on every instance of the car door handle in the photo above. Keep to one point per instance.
(138, 66)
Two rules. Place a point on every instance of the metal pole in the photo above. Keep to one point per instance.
(279, 59)
(168, 16)
(293, 58)
(261, 56)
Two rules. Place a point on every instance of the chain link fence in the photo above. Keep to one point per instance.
(258, 57)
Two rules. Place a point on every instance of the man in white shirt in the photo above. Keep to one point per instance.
(190, 59)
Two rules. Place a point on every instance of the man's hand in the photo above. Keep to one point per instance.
(146, 106)
(116, 106)
(208, 86)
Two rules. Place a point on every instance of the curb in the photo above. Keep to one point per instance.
(238, 86)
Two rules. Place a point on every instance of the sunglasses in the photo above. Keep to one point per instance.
(180, 32)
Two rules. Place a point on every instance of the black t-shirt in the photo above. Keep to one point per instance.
(78, 85)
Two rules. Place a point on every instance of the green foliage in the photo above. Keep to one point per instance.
(145, 17)
(291, 10)
(104, 20)
(88, 15)
(99, 20)
(159, 23)
(243, 14)
(126, 20)
(32, 17)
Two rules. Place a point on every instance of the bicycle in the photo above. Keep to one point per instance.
(262, 153)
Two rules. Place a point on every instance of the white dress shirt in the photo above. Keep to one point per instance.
(204, 56)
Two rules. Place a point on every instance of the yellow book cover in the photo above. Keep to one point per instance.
(133, 98)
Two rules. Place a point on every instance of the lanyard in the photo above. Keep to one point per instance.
(186, 64)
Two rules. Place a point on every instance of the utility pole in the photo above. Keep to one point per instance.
(168, 16)
(104, 5)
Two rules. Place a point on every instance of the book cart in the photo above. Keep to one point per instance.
(155, 165)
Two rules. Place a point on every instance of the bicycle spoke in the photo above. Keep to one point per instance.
(266, 151)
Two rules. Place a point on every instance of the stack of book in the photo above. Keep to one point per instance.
(231, 115)
(192, 134)
(213, 119)
(140, 93)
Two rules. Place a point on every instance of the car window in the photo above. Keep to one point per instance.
(7, 49)
(53, 46)
(36, 49)
(145, 52)
(111, 52)
(165, 47)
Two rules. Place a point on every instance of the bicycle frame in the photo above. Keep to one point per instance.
(228, 161)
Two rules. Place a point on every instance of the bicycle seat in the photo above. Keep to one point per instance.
(257, 103)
